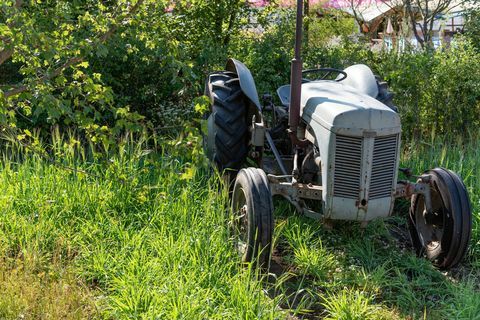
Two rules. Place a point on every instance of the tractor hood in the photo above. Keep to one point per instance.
(344, 110)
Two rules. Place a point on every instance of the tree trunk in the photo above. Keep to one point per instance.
(231, 23)
(306, 27)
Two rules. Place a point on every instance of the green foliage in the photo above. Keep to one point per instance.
(90, 66)
(327, 26)
(46, 47)
(268, 49)
(268, 53)
(472, 26)
(136, 228)
(436, 92)
(309, 254)
(140, 231)
(159, 64)
(353, 305)
(104, 70)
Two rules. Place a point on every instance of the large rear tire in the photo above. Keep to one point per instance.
(252, 220)
(442, 236)
(227, 143)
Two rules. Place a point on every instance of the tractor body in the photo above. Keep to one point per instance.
(332, 149)
(353, 142)
(358, 141)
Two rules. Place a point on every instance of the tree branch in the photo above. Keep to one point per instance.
(73, 60)
(7, 53)
(411, 14)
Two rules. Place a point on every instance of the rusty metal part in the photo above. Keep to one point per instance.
(309, 191)
(294, 192)
(296, 82)
(406, 189)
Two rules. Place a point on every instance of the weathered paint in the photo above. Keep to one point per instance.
(334, 108)
(247, 83)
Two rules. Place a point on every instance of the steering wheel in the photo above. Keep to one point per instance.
(327, 72)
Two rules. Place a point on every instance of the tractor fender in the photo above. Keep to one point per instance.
(361, 77)
(247, 84)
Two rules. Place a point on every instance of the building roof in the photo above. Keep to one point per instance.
(368, 11)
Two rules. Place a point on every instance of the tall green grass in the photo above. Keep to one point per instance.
(146, 239)
(141, 232)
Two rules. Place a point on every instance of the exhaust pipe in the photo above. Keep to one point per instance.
(296, 82)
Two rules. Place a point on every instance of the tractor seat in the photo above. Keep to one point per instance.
(284, 94)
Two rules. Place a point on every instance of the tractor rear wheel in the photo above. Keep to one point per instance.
(442, 235)
(252, 216)
(227, 142)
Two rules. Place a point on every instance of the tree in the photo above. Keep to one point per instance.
(472, 26)
(46, 46)
(214, 19)
(97, 65)
(423, 14)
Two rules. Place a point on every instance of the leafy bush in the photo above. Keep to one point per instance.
(106, 69)
(86, 66)
(436, 92)
(267, 50)
(46, 49)
(472, 26)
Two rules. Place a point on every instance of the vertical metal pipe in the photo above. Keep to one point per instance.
(296, 79)
(299, 30)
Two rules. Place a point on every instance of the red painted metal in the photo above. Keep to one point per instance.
(296, 81)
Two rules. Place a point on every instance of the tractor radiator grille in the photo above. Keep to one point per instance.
(348, 160)
(383, 167)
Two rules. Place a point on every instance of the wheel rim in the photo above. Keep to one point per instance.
(443, 235)
(432, 227)
(240, 221)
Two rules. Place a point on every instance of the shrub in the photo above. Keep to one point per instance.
(154, 63)
(436, 92)
(472, 26)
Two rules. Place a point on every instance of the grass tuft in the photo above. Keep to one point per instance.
(142, 232)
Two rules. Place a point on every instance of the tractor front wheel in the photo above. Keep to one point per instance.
(442, 235)
(252, 218)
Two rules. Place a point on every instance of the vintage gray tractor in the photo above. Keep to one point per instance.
(333, 151)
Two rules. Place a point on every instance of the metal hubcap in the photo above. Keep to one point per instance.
(240, 222)
(430, 226)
